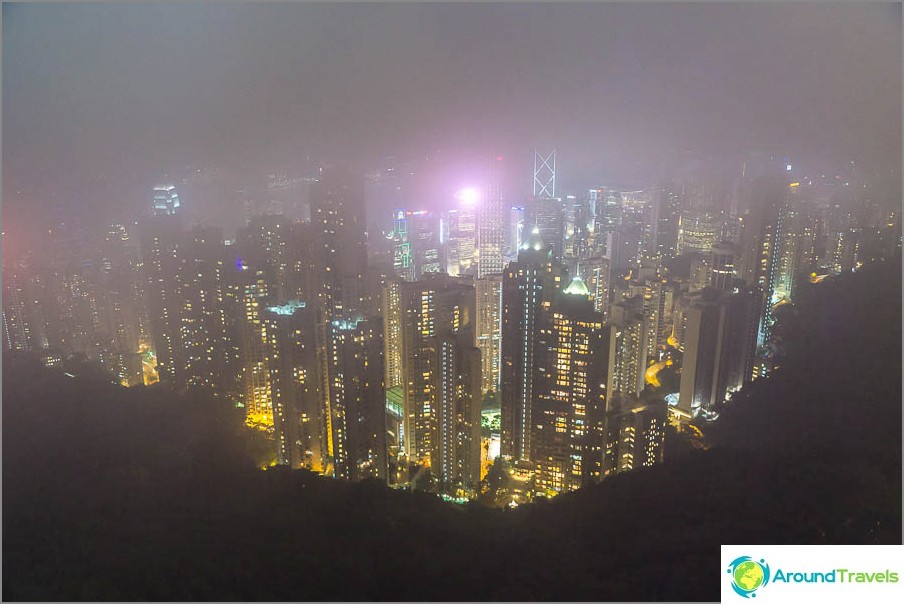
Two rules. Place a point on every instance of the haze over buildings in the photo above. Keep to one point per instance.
(421, 243)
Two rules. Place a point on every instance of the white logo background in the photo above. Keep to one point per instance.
(818, 558)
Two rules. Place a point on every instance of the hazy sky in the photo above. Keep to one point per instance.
(121, 93)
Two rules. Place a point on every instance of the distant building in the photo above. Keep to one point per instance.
(166, 200)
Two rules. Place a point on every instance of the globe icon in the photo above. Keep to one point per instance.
(748, 575)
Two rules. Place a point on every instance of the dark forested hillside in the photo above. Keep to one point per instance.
(140, 494)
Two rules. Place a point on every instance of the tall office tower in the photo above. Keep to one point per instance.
(489, 330)
(17, 333)
(636, 436)
(296, 385)
(162, 252)
(548, 215)
(528, 287)
(124, 321)
(544, 210)
(738, 352)
(301, 273)
(627, 244)
(186, 302)
(762, 236)
(700, 274)
(584, 225)
(667, 214)
(263, 244)
(402, 260)
(442, 380)
(652, 307)
(568, 419)
(682, 300)
(666, 314)
(697, 231)
(627, 350)
(203, 317)
(355, 398)
(722, 265)
(596, 272)
(515, 229)
(255, 351)
(491, 225)
(461, 243)
(545, 175)
(607, 212)
(166, 200)
(392, 330)
(337, 211)
(425, 235)
(719, 350)
(795, 238)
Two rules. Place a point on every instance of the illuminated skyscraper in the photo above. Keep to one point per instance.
(296, 385)
(337, 212)
(528, 288)
(255, 352)
(392, 330)
(636, 436)
(17, 333)
(161, 249)
(722, 265)
(461, 244)
(697, 231)
(491, 225)
(442, 380)
(547, 215)
(402, 258)
(425, 236)
(627, 350)
(124, 322)
(166, 200)
(570, 401)
(720, 343)
(489, 329)
(596, 274)
(667, 214)
(355, 398)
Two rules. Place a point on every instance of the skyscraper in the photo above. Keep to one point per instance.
(355, 398)
(722, 265)
(337, 212)
(489, 329)
(627, 350)
(491, 225)
(296, 385)
(166, 200)
(568, 417)
(720, 343)
(442, 381)
(528, 287)
(392, 330)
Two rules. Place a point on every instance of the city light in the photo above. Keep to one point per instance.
(468, 196)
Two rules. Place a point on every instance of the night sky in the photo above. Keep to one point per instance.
(100, 100)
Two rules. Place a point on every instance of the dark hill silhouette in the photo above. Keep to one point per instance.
(143, 495)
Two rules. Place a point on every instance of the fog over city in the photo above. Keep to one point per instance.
(450, 301)
(102, 101)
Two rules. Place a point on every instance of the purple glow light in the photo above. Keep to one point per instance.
(468, 196)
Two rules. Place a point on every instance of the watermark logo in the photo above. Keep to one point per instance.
(748, 575)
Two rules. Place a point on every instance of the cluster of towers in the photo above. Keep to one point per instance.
(567, 316)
